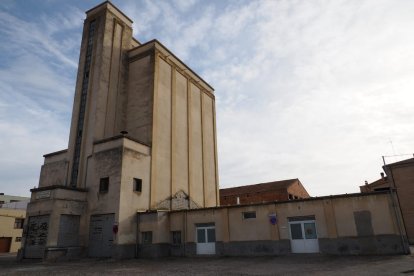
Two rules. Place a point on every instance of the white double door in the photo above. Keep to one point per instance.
(303, 236)
(206, 240)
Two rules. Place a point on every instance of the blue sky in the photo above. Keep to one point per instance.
(315, 90)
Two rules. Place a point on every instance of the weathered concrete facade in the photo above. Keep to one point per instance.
(142, 137)
(345, 225)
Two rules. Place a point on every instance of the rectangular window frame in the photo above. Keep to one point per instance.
(249, 215)
(18, 223)
(176, 237)
(146, 237)
(104, 185)
(137, 185)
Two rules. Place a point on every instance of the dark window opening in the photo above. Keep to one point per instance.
(104, 185)
(18, 239)
(176, 237)
(18, 223)
(249, 215)
(382, 189)
(137, 185)
(146, 237)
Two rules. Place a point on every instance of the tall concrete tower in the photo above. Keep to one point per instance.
(142, 138)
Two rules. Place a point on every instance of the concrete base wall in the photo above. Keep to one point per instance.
(124, 251)
(53, 254)
(153, 250)
(374, 245)
(253, 248)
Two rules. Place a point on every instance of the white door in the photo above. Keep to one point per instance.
(303, 237)
(206, 240)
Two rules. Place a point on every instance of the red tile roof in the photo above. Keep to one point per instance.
(261, 187)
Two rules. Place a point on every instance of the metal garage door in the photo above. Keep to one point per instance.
(101, 236)
(36, 236)
(68, 231)
(5, 243)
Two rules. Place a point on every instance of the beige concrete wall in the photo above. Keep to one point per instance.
(183, 148)
(7, 219)
(56, 208)
(157, 223)
(161, 144)
(209, 153)
(195, 146)
(140, 98)
(54, 173)
(381, 216)
(179, 133)
(136, 163)
(334, 218)
(254, 229)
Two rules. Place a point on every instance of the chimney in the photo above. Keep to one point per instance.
(366, 182)
(238, 200)
(382, 176)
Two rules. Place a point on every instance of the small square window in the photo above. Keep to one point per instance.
(103, 185)
(137, 185)
(249, 215)
(18, 239)
(146, 237)
(176, 237)
(18, 223)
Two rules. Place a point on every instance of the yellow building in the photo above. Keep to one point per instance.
(11, 229)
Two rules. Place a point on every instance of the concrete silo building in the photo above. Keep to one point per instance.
(142, 137)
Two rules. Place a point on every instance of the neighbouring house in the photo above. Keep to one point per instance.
(264, 192)
(399, 178)
(12, 215)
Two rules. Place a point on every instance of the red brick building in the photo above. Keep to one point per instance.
(264, 192)
(399, 178)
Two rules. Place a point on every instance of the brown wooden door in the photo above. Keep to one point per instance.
(5, 244)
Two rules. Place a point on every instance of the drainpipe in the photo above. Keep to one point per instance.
(185, 231)
(137, 236)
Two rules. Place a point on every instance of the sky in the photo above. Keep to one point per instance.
(315, 90)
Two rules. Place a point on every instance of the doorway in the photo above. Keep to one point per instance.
(101, 236)
(5, 243)
(303, 235)
(206, 239)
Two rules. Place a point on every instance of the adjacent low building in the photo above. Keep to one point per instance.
(351, 224)
(282, 190)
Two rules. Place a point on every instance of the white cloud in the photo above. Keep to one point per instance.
(309, 89)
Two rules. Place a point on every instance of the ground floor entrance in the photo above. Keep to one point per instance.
(36, 239)
(303, 236)
(5, 243)
(101, 235)
(206, 239)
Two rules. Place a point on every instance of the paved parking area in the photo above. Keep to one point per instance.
(285, 265)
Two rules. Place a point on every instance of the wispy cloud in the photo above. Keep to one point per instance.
(309, 89)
